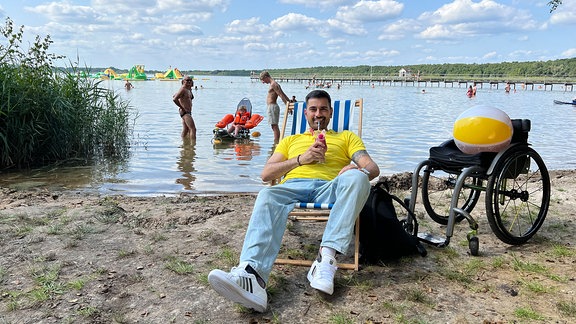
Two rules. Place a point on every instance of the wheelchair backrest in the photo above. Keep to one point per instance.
(521, 128)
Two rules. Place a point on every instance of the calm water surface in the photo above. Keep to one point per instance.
(400, 124)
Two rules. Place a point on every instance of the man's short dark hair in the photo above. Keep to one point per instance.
(318, 94)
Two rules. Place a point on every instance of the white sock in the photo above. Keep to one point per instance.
(326, 251)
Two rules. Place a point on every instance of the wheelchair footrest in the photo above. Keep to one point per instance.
(432, 239)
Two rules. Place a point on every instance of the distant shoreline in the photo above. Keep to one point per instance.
(564, 70)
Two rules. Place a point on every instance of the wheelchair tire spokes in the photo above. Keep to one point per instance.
(438, 188)
(518, 195)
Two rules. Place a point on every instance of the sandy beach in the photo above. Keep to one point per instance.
(72, 257)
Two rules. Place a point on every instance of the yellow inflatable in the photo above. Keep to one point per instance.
(482, 129)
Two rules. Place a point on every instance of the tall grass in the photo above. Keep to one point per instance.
(49, 115)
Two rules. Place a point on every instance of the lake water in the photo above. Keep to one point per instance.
(400, 125)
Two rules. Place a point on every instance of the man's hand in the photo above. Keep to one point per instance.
(316, 153)
(348, 167)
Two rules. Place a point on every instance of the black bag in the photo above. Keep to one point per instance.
(382, 236)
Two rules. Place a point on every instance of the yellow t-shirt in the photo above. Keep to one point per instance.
(341, 147)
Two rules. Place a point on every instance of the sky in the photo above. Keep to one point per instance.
(274, 34)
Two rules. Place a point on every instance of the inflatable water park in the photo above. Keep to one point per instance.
(107, 74)
(138, 73)
(170, 75)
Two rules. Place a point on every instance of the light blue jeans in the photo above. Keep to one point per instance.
(348, 192)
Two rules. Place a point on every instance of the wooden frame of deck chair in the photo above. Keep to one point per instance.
(342, 119)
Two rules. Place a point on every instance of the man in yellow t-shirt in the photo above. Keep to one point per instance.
(314, 171)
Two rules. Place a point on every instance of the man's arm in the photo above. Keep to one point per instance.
(276, 87)
(277, 165)
(363, 161)
(176, 98)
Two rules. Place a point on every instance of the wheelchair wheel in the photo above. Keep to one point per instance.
(437, 191)
(518, 195)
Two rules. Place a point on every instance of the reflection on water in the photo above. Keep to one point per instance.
(400, 125)
(69, 175)
(186, 165)
(244, 150)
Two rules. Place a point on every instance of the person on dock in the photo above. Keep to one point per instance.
(273, 109)
(341, 182)
(183, 99)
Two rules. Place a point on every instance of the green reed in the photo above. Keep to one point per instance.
(48, 115)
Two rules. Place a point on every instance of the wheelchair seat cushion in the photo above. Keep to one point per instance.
(449, 157)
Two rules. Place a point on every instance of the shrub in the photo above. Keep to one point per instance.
(50, 115)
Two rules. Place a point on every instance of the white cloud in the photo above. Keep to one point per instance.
(440, 32)
(247, 26)
(65, 12)
(464, 18)
(467, 11)
(293, 21)
(303, 24)
(337, 27)
(370, 11)
(256, 47)
(522, 54)
(318, 3)
(569, 53)
(336, 41)
(565, 14)
(489, 55)
(382, 53)
(177, 29)
(400, 29)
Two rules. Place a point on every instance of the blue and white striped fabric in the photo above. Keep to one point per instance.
(314, 205)
(341, 119)
(343, 115)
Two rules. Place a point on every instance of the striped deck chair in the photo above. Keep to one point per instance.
(342, 119)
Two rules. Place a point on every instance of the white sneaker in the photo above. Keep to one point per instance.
(240, 287)
(321, 274)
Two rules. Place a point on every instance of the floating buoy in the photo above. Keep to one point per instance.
(256, 134)
(217, 141)
(482, 129)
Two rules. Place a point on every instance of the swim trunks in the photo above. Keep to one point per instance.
(273, 114)
(184, 112)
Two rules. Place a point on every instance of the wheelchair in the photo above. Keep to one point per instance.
(515, 181)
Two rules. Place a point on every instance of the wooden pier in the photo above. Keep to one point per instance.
(515, 83)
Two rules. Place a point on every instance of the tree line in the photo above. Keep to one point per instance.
(561, 68)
